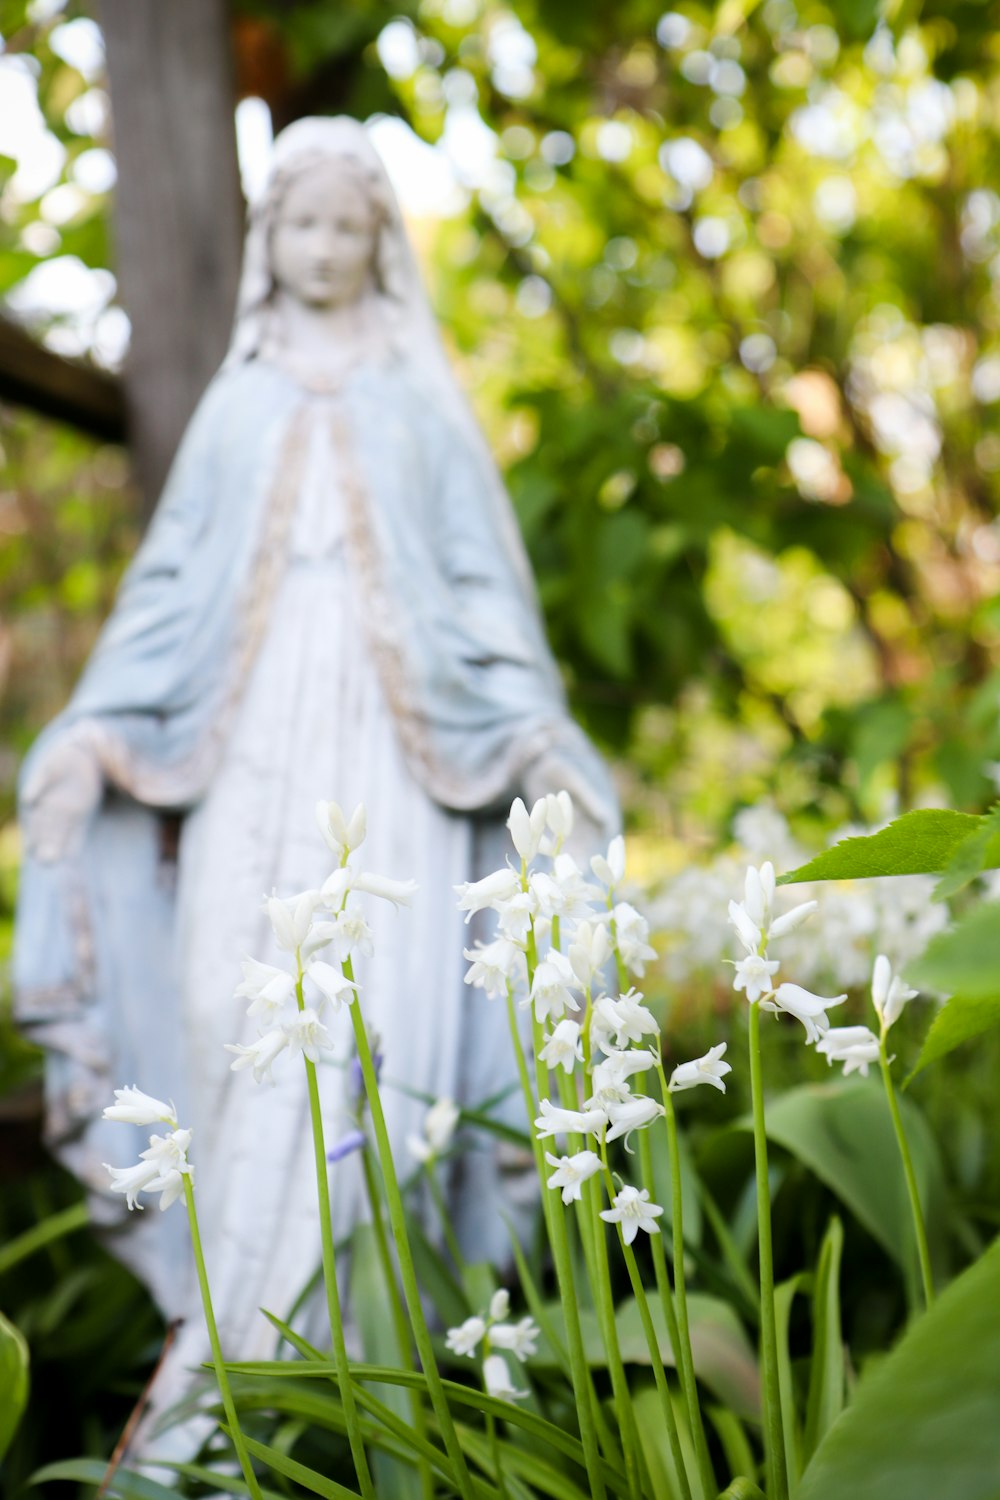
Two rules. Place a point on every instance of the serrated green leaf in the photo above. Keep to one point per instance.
(919, 843)
(960, 1020)
(969, 859)
(965, 959)
(923, 1421)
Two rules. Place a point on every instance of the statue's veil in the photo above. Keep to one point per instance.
(413, 327)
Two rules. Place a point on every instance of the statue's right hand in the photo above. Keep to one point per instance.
(60, 795)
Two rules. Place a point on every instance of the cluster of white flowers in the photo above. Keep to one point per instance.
(858, 1046)
(303, 926)
(494, 1332)
(854, 919)
(163, 1167)
(566, 931)
(756, 974)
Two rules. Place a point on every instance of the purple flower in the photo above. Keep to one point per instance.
(353, 1141)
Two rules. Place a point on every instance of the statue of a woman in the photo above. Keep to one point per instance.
(332, 601)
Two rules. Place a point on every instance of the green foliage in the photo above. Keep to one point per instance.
(14, 1365)
(918, 843)
(922, 1420)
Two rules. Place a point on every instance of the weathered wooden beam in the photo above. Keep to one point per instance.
(178, 211)
(68, 390)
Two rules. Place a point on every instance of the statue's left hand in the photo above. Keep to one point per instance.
(60, 795)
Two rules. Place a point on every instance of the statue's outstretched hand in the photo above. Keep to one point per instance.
(60, 794)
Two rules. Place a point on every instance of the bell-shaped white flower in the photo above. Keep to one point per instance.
(632, 938)
(551, 987)
(634, 1021)
(132, 1180)
(526, 829)
(342, 834)
(634, 1113)
(480, 895)
(610, 868)
(612, 1071)
(167, 1157)
(267, 988)
(133, 1107)
(558, 821)
(261, 1055)
(572, 1172)
(466, 1338)
(494, 966)
(520, 1339)
(708, 1069)
(332, 984)
(781, 926)
(563, 891)
(759, 887)
(439, 1126)
(496, 1378)
(854, 1046)
(499, 1305)
(398, 892)
(555, 1121)
(604, 1024)
(349, 934)
(633, 1210)
(589, 951)
(515, 916)
(889, 993)
(307, 1034)
(564, 1048)
(290, 919)
(747, 930)
(754, 974)
(806, 1007)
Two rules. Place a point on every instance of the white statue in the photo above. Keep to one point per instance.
(332, 602)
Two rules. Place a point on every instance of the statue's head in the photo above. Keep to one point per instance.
(325, 229)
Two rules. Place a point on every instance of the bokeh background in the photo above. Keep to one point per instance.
(723, 284)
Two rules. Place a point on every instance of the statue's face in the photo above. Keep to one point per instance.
(323, 240)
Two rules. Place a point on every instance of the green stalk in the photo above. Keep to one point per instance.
(777, 1474)
(595, 1251)
(213, 1336)
(652, 1342)
(923, 1251)
(345, 1382)
(685, 1357)
(494, 1442)
(400, 1324)
(397, 1221)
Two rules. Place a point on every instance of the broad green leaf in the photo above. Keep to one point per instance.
(965, 959)
(919, 843)
(370, 1300)
(970, 858)
(742, 1489)
(827, 1373)
(735, 1443)
(923, 1421)
(843, 1132)
(55, 1227)
(960, 1020)
(654, 1442)
(14, 1365)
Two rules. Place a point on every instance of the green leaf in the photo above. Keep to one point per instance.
(919, 843)
(742, 1489)
(964, 959)
(961, 1019)
(784, 1296)
(125, 1485)
(970, 857)
(55, 1227)
(827, 1373)
(842, 1131)
(373, 1311)
(280, 1463)
(14, 1364)
(923, 1421)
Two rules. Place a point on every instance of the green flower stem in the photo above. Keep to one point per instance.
(652, 1343)
(399, 1319)
(685, 1356)
(397, 1221)
(583, 1386)
(595, 1251)
(443, 1215)
(213, 1335)
(777, 1474)
(923, 1251)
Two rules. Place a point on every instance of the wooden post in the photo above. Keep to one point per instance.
(178, 211)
